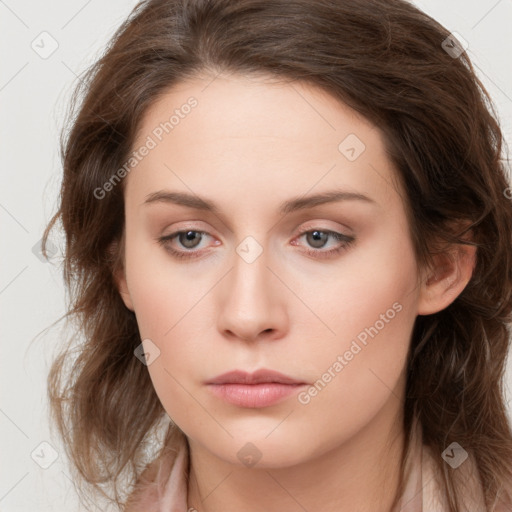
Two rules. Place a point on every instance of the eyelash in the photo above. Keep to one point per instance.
(346, 240)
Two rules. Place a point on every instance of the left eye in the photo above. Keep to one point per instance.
(190, 239)
(318, 237)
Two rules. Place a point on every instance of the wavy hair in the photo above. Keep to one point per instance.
(385, 59)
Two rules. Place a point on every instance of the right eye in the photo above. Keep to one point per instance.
(189, 238)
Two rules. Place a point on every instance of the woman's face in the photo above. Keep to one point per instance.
(263, 275)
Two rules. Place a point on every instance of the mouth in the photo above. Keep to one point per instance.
(254, 390)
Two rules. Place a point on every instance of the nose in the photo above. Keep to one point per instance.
(252, 302)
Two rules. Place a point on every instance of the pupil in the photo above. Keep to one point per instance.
(189, 237)
(318, 236)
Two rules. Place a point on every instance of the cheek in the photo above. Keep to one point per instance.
(372, 312)
(161, 291)
(166, 303)
(373, 283)
(170, 305)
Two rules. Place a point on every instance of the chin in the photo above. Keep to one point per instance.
(260, 452)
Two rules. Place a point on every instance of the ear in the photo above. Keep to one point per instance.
(116, 250)
(447, 278)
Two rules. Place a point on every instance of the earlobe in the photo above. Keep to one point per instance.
(445, 282)
(122, 287)
(119, 274)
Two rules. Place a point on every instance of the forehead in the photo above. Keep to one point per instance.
(256, 134)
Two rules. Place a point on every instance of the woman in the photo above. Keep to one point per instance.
(289, 249)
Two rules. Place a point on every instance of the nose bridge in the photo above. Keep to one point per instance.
(251, 280)
(252, 266)
(252, 300)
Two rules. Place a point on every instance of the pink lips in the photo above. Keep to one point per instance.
(259, 389)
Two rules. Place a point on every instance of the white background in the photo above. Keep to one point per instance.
(34, 94)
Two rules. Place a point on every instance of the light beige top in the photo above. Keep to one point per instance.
(164, 484)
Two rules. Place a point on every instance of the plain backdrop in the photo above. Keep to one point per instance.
(44, 47)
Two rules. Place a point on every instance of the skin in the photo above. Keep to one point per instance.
(250, 144)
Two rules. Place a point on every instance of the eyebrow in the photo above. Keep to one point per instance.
(291, 205)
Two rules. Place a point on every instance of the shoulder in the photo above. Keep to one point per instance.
(425, 489)
(144, 495)
(466, 477)
(162, 483)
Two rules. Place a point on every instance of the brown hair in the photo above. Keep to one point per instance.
(384, 58)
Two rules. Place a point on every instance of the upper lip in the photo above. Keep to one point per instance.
(259, 376)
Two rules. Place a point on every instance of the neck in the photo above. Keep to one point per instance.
(361, 474)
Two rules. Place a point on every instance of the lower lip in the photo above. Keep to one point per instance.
(254, 395)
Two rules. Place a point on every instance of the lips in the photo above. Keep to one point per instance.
(253, 390)
(258, 377)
